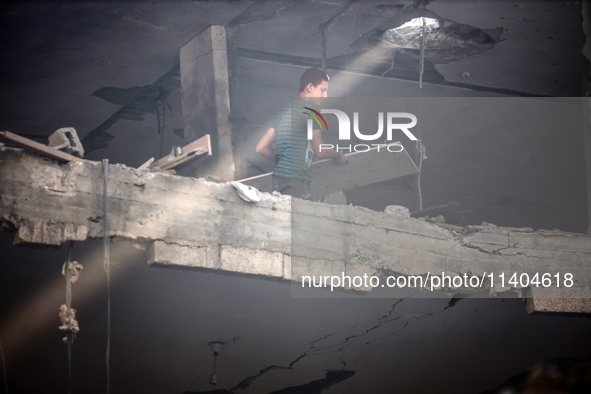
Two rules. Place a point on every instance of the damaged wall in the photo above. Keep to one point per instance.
(195, 223)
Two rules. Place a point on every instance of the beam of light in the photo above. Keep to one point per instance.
(25, 324)
(342, 83)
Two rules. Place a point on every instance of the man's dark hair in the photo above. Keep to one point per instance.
(313, 76)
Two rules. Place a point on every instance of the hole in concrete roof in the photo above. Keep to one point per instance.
(450, 42)
(409, 34)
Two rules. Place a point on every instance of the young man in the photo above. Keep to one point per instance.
(293, 152)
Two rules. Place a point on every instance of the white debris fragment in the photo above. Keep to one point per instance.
(397, 210)
(247, 193)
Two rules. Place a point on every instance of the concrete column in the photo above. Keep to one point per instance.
(206, 98)
(588, 163)
(586, 51)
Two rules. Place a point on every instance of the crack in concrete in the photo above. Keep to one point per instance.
(497, 252)
(452, 302)
(197, 56)
(248, 381)
(494, 252)
(309, 352)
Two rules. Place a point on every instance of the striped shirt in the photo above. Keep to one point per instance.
(293, 150)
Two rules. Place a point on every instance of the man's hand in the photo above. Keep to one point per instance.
(342, 159)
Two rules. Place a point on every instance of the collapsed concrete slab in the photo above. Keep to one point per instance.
(195, 223)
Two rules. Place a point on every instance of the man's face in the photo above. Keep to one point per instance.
(319, 92)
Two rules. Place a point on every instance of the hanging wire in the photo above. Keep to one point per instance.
(160, 120)
(422, 67)
(70, 334)
(419, 148)
(390, 69)
(165, 102)
(4, 368)
(106, 266)
(419, 143)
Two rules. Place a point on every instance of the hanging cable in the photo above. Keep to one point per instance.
(160, 122)
(160, 100)
(106, 265)
(420, 149)
(68, 312)
(419, 144)
(4, 368)
(390, 69)
(161, 128)
(68, 323)
(165, 102)
(422, 65)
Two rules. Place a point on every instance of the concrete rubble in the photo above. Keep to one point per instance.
(191, 222)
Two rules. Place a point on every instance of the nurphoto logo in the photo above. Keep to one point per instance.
(393, 124)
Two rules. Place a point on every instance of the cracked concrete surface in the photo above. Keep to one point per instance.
(162, 314)
(194, 223)
(352, 346)
(333, 343)
(337, 343)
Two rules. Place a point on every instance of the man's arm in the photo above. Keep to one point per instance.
(325, 153)
(265, 144)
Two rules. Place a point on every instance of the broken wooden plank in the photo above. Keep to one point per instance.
(15, 140)
(253, 178)
(190, 151)
(364, 168)
(146, 165)
(263, 182)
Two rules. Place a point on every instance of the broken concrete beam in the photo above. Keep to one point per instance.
(224, 258)
(252, 262)
(164, 253)
(206, 98)
(195, 223)
(558, 305)
(572, 300)
(143, 205)
(48, 233)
